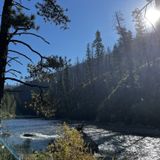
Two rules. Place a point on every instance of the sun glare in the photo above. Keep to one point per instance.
(152, 16)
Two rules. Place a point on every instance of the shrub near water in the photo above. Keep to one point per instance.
(70, 146)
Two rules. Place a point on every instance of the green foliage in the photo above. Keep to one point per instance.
(70, 146)
(52, 12)
(44, 70)
(38, 156)
(48, 9)
(20, 19)
(42, 104)
(89, 63)
(98, 45)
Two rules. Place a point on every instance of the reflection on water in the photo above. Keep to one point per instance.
(24, 147)
(125, 146)
(110, 143)
(44, 132)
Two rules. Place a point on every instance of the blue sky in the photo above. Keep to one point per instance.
(86, 16)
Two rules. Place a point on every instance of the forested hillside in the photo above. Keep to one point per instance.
(110, 85)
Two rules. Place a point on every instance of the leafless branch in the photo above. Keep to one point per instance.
(33, 34)
(144, 7)
(11, 58)
(13, 70)
(28, 46)
(13, 74)
(25, 83)
(20, 5)
(21, 54)
(14, 59)
(18, 29)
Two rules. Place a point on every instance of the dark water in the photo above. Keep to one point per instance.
(110, 143)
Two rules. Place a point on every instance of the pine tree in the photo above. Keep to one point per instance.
(125, 36)
(140, 33)
(89, 61)
(16, 22)
(98, 45)
(124, 47)
(99, 51)
(78, 77)
(139, 23)
(66, 77)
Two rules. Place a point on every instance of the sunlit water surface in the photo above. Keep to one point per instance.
(110, 143)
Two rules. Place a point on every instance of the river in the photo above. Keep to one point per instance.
(110, 143)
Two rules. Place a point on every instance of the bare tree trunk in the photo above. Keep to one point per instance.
(4, 30)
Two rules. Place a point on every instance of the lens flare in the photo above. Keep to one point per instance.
(152, 16)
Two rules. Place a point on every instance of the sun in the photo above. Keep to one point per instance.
(152, 16)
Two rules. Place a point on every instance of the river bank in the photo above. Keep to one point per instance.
(135, 130)
(112, 139)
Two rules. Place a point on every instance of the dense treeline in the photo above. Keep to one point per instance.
(118, 85)
(8, 106)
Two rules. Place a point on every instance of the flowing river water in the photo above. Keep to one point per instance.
(110, 143)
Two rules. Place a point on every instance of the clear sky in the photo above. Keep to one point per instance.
(86, 16)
